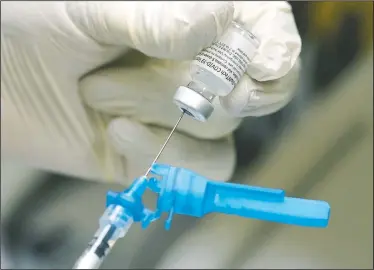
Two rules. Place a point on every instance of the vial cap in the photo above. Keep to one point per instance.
(194, 104)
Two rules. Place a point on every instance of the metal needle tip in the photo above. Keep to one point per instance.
(164, 145)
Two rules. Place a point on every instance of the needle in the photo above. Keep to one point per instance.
(164, 145)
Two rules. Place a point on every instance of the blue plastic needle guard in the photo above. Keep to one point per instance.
(181, 191)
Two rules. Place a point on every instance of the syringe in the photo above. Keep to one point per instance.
(122, 209)
(114, 224)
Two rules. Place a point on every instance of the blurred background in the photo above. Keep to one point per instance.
(320, 147)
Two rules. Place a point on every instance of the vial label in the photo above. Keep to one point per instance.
(229, 57)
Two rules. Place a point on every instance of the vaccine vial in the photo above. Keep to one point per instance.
(216, 69)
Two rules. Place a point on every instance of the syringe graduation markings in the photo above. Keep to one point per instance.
(165, 143)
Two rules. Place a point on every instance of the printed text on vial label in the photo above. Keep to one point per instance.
(227, 62)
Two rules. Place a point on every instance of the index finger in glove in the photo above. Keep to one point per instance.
(139, 144)
(280, 44)
(162, 29)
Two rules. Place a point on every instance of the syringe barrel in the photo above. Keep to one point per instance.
(117, 216)
(97, 249)
(114, 224)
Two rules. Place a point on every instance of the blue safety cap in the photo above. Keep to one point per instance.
(184, 192)
(131, 200)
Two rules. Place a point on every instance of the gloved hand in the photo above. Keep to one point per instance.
(110, 124)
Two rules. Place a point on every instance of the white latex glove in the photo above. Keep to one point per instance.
(47, 47)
